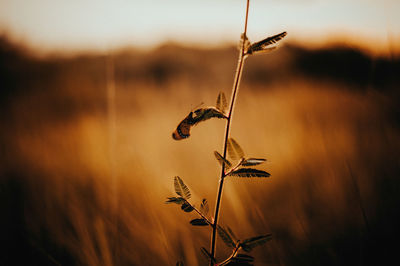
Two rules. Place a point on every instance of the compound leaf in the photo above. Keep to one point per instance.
(176, 200)
(263, 44)
(226, 237)
(234, 149)
(253, 161)
(204, 208)
(221, 102)
(222, 160)
(250, 172)
(181, 189)
(199, 222)
(186, 207)
(248, 244)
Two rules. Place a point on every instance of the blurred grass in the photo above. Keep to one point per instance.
(327, 120)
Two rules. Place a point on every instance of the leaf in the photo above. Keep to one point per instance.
(226, 237)
(193, 118)
(221, 102)
(222, 160)
(204, 207)
(234, 149)
(248, 244)
(230, 232)
(249, 172)
(186, 207)
(207, 254)
(244, 257)
(253, 161)
(181, 189)
(203, 114)
(263, 44)
(176, 200)
(199, 222)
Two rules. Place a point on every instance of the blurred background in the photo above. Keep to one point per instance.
(91, 91)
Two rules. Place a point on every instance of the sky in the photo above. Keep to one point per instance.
(105, 24)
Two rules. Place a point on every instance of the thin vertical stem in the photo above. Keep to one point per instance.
(227, 130)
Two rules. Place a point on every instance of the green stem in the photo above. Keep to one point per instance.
(227, 130)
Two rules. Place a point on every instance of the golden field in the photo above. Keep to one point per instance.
(85, 169)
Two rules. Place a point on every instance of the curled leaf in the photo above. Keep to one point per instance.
(222, 160)
(248, 244)
(234, 149)
(253, 161)
(199, 222)
(181, 189)
(250, 172)
(186, 207)
(263, 44)
(176, 200)
(195, 117)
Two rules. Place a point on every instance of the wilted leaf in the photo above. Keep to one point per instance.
(262, 45)
(187, 207)
(199, 222)
(202, 114)
(226, 237)
(234, 149)
(204, 207)
(248, 244)
(253, 161)
(249, 172)
(207, 254)
(221, 102)
(181, 189)
(222, 160)
(176, 200)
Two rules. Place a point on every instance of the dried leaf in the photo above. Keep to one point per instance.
(253, 161)
(222, 160)
(195, 117)
(249, 172)
(181, 189)
(248, 244)
(263, 44)
(176, 200)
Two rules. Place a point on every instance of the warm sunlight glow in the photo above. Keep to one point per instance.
(102, 24)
